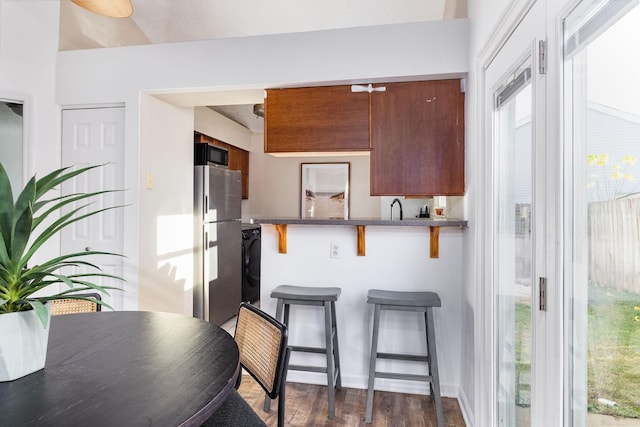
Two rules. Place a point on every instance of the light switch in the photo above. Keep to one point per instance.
(149, 180)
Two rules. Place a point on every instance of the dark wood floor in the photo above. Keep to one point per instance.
(307, 406)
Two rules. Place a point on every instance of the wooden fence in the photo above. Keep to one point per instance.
(614, 243)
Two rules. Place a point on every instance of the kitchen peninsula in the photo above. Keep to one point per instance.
(434, 225)
(325, 252)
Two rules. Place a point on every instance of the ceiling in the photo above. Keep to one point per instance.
(242, 114)
(169, 21)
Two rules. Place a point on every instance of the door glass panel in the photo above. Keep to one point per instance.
(11, 134)
(513, 249)
(602, 293)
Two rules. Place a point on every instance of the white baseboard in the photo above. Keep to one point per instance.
(382, 384)
(467, 411)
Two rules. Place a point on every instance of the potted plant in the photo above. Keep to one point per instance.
(25, 225)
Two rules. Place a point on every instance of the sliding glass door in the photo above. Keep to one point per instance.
(602, 217)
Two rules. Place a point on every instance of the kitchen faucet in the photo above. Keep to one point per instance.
(399, 204)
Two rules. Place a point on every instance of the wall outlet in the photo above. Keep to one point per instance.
(334, 251)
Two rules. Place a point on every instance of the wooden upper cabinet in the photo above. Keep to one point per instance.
(417, 139)
(329, 118)
(242, 164)
(238, 159)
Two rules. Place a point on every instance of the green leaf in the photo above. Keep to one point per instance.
(6, 207)
(58, 225)
(64, 201)
(26, 198)
(21, 234)
(43, 185)
(4, 254)
(41, 311)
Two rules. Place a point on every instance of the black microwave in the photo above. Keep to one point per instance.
(209, 154)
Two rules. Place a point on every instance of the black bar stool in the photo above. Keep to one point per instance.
(288, 295)
(405, 301)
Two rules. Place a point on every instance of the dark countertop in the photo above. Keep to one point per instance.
(408, 222)
(248, 226)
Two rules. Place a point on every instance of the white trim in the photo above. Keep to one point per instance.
(465, 408)
(508, 22)
(381, 384)
(485, 378)
(92, 106)
(27, 108)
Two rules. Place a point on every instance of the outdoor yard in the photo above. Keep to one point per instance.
(614, 352)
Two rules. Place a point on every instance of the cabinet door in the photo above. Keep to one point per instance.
(242, 164)
(417, 139)
(233, 155)
(330, 118)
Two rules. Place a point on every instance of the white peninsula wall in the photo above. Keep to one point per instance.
(397, 258)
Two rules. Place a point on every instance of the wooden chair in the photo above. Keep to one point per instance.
(75, 305)
(262, 342)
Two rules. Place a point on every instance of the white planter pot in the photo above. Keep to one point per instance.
(23, 344)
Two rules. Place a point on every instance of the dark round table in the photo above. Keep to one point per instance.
(125, 369)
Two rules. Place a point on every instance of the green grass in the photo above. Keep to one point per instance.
(523, 354)
(614, 351)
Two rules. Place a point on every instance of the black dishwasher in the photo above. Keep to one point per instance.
(250, 263)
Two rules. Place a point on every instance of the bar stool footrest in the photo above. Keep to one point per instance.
(410, 377)
(319, 369)
(407, 357)
(308, 349)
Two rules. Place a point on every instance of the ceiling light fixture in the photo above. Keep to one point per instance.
(110, 8)
(369, 88)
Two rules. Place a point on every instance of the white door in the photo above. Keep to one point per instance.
(602, 214)
(91, 137)
(514, 93)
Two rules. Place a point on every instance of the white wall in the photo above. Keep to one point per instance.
(281, 198)
(28, 48)
(215, 125)
(435, 49)
(484, 17)
(397, 258)
(165, 271)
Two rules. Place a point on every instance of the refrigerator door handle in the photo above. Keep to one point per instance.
(206, 205)
(206, 293)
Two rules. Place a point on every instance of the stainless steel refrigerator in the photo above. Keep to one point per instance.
(217, 290)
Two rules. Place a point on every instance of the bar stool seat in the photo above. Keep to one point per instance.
(405, 301)
(411, 299)
(326, 297)
(306, 293)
